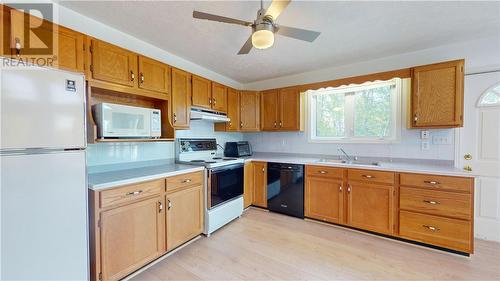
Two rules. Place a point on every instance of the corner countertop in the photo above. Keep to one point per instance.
(436, 167)
(109, 176)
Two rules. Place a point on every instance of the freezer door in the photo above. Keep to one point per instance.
(44, 217)
(40, 109)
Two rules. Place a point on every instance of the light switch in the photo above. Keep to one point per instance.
(425, 145)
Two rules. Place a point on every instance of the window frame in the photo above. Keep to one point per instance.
(402, 88)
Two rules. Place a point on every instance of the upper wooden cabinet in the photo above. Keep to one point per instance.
(68, 45)
(233, 109)
(282, 110)
(249, 111)
(201, 92)
(113, 64)
(437, 95)
(219, 97)
(154, 75)
(181, 98)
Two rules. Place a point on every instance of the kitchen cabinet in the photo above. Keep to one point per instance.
(201, 92)
(260, 184)
(249, 111)
(437, 210)
(154, 75)
(181, 98)
(324, 194)
(131, 236)
(370, 200)
(67, 45)
(184, 215)
(437, 95)
(110, 63)
(233, 110)
(282, 110)
(248, 184)
(219, 97)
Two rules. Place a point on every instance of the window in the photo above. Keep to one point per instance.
(369, 113)
(490, 97)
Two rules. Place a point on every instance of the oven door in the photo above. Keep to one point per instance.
(224, 184)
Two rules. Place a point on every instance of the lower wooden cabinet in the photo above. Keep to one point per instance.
(323, 196)
(184, 215)
(370, 207)
(248, 185)
(260, 184)
(131, 236)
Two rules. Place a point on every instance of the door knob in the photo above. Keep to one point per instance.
(468, 168)
(468, 156)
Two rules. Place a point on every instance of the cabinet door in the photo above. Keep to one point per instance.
(260, 184)
(269, 113)
(370, 207)
(289, 109)
(70, 50)
(219, 97)
(113, 64)
(154, 75)
(248, 185)
(131, 236)
(181, 96)
(184, 215)
(323, 199)
(233, 109)
(249, 111)
(202, 92)
(437, 95)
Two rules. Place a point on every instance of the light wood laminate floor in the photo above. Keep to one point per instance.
(267, 246)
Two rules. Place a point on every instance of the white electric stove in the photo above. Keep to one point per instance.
(223, 180)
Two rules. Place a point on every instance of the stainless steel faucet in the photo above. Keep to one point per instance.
(348, 158)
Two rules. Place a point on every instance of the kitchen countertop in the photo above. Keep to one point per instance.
(438, 167)
(109, 176)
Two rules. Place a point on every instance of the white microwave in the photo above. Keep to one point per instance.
(123, 121)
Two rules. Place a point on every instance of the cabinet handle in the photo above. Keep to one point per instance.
(210, 101)
(323, 172)
(241, 124)
(340, 188)
(142, 77)
(348, 188)
(160, 207)
(132, 75)
(415, 118)
(431, 228)
(275, 124)
(230, 124)
(186, 181)
(432, 202)
(175, 118)
(368, 176)
(263, 170)
(169, 206)
(18, 47)
(281, 124)
(137, 192)
(214, 101)
(431, 182)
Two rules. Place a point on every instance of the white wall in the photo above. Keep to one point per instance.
(86, 25)
(128, 152)
(480, 55)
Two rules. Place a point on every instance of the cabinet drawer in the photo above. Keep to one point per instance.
(371, 176)
(442, 203)
(184, 180)
(449, 233)
(131, 192)
(438, 182)
(322, 171)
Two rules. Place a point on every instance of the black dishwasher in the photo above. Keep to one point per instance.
(285, 189)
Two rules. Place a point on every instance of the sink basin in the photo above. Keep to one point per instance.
(354, 162)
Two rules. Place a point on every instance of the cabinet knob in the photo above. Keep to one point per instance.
(215, 101)
(323, 172)
(432, 202)
(348, 188)
(175, 117)
(275, 124)
(160, 207)
(241, 124)
(18, 46)
(169, 206)
(431, 228)
(137, 192)
(209, 100)
(281, 124)
(132, 75)
(142, 77)
(186, 181)
(263, 170)
(431, 182)
(340, 188)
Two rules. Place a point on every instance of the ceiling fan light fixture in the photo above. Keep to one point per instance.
(262, 39)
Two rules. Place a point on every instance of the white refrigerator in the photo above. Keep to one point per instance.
(44, 228)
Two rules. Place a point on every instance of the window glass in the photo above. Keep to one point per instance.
(330, 115)
(372, 112)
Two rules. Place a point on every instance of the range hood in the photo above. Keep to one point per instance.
(215, 117)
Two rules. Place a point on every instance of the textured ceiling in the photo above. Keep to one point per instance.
(350, 31)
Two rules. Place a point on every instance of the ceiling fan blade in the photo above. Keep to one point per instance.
(205, 16)
(298, 33)
(277, 6)
(246, 47)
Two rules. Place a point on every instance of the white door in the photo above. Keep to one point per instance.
(480, 149)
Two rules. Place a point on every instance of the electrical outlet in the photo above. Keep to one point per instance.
(424, 134)
(425, 145)
(441, 140)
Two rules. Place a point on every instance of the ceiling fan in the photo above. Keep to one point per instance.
(264, 27)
